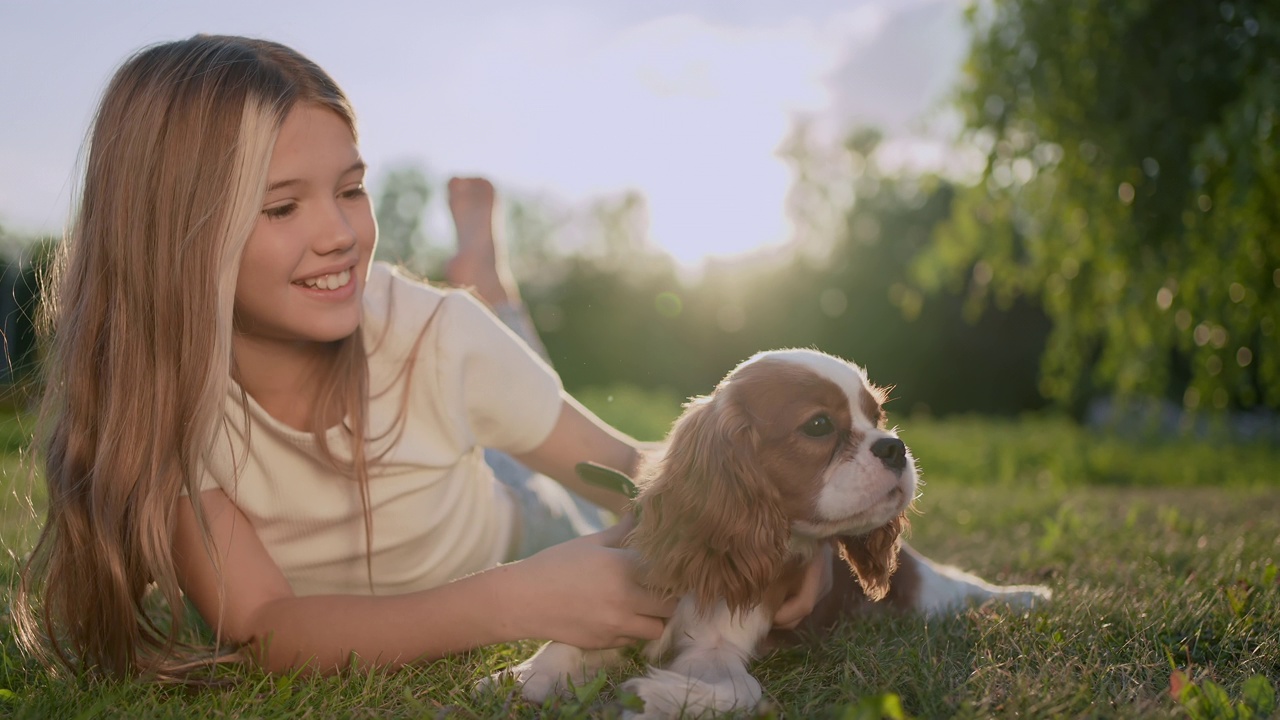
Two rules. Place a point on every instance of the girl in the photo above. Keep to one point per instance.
(241, 409)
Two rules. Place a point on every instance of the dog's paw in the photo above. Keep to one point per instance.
(1023, 597)
(554, 670)
(946, 590)
(491, 684)
(535, 683)
(668, 694)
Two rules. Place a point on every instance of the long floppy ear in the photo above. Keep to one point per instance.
(710, 521)
(873, 557)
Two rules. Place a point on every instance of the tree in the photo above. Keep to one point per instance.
(1132, 183)
(862, 222)
(24, 260)
(401, 209)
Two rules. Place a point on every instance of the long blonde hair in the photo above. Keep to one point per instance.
(141, 307)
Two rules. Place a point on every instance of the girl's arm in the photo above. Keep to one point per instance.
(579, 436)
(579, 592)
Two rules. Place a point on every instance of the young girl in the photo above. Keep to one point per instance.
(241, 409)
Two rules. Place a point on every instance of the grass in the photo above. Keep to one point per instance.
(1162, 555)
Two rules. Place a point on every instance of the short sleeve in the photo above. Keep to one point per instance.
(206, 481)
(503, 394)
(217, 468)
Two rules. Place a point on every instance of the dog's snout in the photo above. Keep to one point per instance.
(891, 451)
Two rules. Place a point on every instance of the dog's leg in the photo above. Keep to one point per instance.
(709, 669)
(549, 671)
(936, 589)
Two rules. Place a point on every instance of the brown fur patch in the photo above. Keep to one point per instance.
(874, 557)
(871, 401)
(710, 524)
(779, 397)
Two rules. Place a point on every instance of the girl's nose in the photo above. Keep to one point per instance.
(338, 234)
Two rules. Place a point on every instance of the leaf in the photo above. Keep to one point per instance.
(8, 695)
(1217, 702)
(1239, 598)
(875, 707)
(590, 691)
(891, 707)
(1259, 696)
(1193, 701)
(607, 478)
(1178, 683)
(283, 689)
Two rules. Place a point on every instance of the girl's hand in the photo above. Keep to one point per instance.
(584, 593)
(815, 585)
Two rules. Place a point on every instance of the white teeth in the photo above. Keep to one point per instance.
(332, 281)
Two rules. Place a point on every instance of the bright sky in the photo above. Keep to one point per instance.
(685, 101)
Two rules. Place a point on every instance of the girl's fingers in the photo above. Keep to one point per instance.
(647, 628)
(656, 606)
(611, 536)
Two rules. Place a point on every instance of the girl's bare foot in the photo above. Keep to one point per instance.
(481, 262)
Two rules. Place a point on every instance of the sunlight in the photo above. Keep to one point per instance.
(684, 110)
(688, 114)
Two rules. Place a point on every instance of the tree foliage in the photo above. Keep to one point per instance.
(23, 261)
(401, 212)
(1132, 184)
(621, 316)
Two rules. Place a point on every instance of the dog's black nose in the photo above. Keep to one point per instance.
(891, 451)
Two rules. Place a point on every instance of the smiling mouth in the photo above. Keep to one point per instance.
(332, 281)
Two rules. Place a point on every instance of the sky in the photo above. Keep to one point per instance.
(685, 101)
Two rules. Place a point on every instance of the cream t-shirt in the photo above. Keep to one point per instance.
(438, 513)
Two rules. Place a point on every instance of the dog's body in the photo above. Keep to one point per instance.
(788, 457)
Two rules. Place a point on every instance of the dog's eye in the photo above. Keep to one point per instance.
(818, 426)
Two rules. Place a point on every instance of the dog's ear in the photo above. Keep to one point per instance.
(710, 522)
(874, 557)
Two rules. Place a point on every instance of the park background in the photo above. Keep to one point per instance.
(1052, 227)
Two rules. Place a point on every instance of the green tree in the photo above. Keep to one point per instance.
(1132, 183)
(401, 210)
(24, 260)
(863, 223)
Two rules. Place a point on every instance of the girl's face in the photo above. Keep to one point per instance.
(303, 271)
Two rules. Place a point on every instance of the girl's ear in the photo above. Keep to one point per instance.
(873, 557)
(710, 523)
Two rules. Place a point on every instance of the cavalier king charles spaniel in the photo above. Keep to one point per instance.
(789, 454)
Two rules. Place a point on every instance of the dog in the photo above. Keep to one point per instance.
(788, 455)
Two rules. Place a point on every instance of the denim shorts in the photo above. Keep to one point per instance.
(548, 513)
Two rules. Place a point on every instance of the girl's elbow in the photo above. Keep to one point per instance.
(283, 658)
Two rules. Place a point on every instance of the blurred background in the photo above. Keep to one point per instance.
(995, 207)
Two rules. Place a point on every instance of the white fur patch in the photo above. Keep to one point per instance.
(944, 589)
(858, 496)
(550, 669)
(708, 671)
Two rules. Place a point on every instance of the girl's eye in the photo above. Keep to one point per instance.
(356, 192)
(818, 426)
(280, 211)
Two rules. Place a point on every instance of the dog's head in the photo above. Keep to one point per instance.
(791, 446)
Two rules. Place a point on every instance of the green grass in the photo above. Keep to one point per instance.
(1161, 555)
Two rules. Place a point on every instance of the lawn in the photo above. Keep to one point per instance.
(1162, 555)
